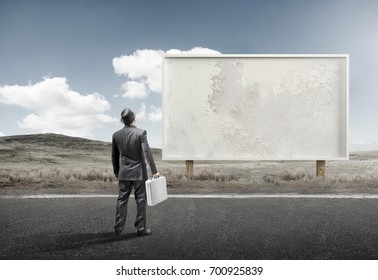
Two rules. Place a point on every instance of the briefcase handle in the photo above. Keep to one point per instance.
(154, 177)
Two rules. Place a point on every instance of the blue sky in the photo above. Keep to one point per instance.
(56, 57)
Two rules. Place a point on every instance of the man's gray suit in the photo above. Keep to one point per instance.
(130, 151)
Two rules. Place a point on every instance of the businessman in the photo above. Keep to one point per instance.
(130, 151)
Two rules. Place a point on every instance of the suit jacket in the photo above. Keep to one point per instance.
(130, 150)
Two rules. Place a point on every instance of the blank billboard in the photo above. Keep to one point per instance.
(255, 107)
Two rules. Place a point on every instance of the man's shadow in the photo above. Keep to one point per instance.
(62, 242)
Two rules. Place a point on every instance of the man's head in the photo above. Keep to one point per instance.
(127, 116)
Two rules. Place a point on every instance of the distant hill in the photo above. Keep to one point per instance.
(51, 139)
(55, 148)
(364, 147)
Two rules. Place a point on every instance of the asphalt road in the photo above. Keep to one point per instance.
(191, 228)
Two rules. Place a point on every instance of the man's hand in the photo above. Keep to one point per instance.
(156, 175)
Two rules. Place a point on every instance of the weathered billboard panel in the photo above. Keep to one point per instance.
(255, 107)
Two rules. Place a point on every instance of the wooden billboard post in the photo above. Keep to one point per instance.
(320, 168)
(190, 168)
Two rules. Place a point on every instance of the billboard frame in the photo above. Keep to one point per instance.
(323, 158)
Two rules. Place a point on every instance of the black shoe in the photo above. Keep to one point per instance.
(144, 232)
(117, 231)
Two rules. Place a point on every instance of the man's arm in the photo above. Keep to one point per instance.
(115, 157)
(148, 153)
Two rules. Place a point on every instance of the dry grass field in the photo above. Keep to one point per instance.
(62, 164)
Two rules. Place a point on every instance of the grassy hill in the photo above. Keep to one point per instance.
(50, 159)
(53, 149)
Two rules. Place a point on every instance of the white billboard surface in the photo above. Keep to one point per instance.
(255, 107)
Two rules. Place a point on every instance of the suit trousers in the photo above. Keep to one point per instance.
(125, 188)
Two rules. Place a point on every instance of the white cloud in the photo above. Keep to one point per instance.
(2, 134)
(145, 67)
(155, 114)
(196, 50)
(57, 109)
(141, 114)
(134, 90)
(142, 66)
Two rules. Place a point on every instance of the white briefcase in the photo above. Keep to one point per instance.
(156, 189)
